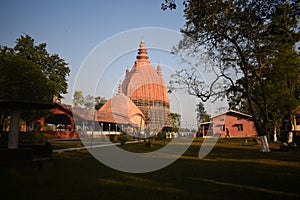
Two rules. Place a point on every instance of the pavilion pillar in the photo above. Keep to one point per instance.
(72, 124)
(42, 123)
(13, 137)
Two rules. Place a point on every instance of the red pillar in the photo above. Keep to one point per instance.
(42, 123)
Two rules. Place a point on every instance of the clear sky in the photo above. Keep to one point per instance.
(73, 28)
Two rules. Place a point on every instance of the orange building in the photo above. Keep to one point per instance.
(142, 104)
(146, 88)
(229, 124)
(121, 111)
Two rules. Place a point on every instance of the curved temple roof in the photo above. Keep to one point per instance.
(143, 81)
(142, 98)
(121, 107)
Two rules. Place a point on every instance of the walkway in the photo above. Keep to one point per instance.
(105, 144)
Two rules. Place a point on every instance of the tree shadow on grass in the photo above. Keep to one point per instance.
(230, 171)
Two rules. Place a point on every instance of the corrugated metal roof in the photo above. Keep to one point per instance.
(232, 111)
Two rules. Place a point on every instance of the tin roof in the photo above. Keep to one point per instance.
(232, 112)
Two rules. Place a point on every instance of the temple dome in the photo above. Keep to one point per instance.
(123, 110)
(143, 82)
(146, 88)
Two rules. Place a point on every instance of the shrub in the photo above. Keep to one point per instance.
(160, 136)
(123, 138)
(26, 138)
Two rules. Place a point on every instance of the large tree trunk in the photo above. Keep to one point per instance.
(289, 138)
(261, 128)
(262, 133)
(264, 144)
(13, 137)
(264, 140)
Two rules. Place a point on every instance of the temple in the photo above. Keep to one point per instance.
(146, 88)
(142, 101)
(140, 106)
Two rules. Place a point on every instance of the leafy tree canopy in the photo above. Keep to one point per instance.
(44, 74)
(22, 79)
(87, 101)
(175, 120)
(78, 98)
(28, 72)
(253, 46)
(202, 115)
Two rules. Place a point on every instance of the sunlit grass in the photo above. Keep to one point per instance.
(144, 146)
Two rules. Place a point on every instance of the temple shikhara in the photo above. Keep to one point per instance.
(145, 86)
(142, 96)
(141, 105)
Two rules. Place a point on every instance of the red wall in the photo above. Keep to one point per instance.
(231, 122)
(63, 134)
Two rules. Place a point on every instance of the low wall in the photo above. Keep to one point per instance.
(75, 135)
(63, 134)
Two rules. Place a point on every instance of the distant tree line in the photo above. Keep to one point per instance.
(87, 101)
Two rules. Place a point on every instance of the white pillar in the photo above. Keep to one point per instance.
(290, 137)
(275, 135)
(13, 137)
(263, 146)
(266, 143)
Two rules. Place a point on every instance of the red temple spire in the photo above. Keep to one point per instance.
(120, 89)
(142, 57)
(159, 70)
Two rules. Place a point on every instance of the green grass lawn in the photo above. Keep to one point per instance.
(230, 171)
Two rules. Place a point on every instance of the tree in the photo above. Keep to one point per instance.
(175, 119)
(252, 44)
(55, 68)
(78, 98)
(202, 115)
(22, 79)
(28, 73)
(87, 101)
(274, 86)
(99, 102)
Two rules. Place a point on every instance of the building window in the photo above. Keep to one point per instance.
(239, 118)
(240, 127)
(221, 119)
(222, 128)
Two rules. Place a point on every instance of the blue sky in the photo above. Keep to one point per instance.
(73, 28)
